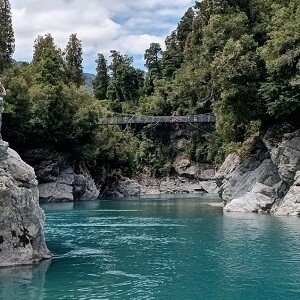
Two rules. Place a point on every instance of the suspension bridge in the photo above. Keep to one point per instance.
(203, 118)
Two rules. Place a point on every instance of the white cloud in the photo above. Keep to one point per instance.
(128, 26)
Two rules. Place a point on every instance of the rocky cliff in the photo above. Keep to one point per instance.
(21, 219)
(58, 182)
(268, 180)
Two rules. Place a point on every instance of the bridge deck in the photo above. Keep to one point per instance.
(204, 118)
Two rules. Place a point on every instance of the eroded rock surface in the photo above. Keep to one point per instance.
(57, 179)
(268, 179)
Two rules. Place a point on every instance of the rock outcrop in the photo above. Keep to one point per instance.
(21, 219)
(268, 179)
(57, 179)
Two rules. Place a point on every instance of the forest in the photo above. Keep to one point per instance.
(238, 59)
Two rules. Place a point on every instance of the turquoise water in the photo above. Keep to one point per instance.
(161, 248)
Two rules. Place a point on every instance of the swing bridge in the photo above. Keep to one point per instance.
(208, 119)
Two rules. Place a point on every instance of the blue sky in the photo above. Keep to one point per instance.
(128, 26)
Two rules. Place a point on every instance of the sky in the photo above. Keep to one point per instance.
(128, 26)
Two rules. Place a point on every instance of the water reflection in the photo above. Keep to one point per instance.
(24, 282)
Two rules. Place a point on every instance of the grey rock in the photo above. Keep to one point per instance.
(210, 186)
(230, 163)
(297, 179)
(250, 202)
(61, 190)
(116, 187)
(245, 177)
(290, 204)
(268, 179)
(58, 181)
(84, 188)
(286, 156)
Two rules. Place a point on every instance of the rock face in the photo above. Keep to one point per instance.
(21, 219)
(268, 179)
(57, 180)
(120, 187)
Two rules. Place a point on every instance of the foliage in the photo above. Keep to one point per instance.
(125, 81)
(281, 53)
(7, 40)
(47, 60)
(236, 58)
(73, 61)
(101, 81)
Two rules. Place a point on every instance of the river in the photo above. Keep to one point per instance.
(160, 247)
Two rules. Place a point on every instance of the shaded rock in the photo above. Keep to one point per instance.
(60, 190)
(290, 204)
(47, 164)
(286, 156)
(57, 180)
(120, 187)
(84, 187)
(252, 185)
(247, 175)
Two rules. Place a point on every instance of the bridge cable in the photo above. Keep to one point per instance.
(199, 128)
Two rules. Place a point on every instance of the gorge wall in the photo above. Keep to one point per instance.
(21, 218)
(268, 180)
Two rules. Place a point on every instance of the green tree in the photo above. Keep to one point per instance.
(172, 57)
(73, 61)
(185, 27)
(152, 58)
(282, 56)
(47, 60)
(7, 40)
(101, 81)
(125, 81)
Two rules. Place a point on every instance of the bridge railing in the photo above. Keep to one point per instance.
(203, 118)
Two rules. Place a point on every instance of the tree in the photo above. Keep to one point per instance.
(282, 56)
(47, 60)
(73, 61)
(185, 27)
(172, 57)
(152, 58)
(125, 82)
(7, 40)
(101, 81)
